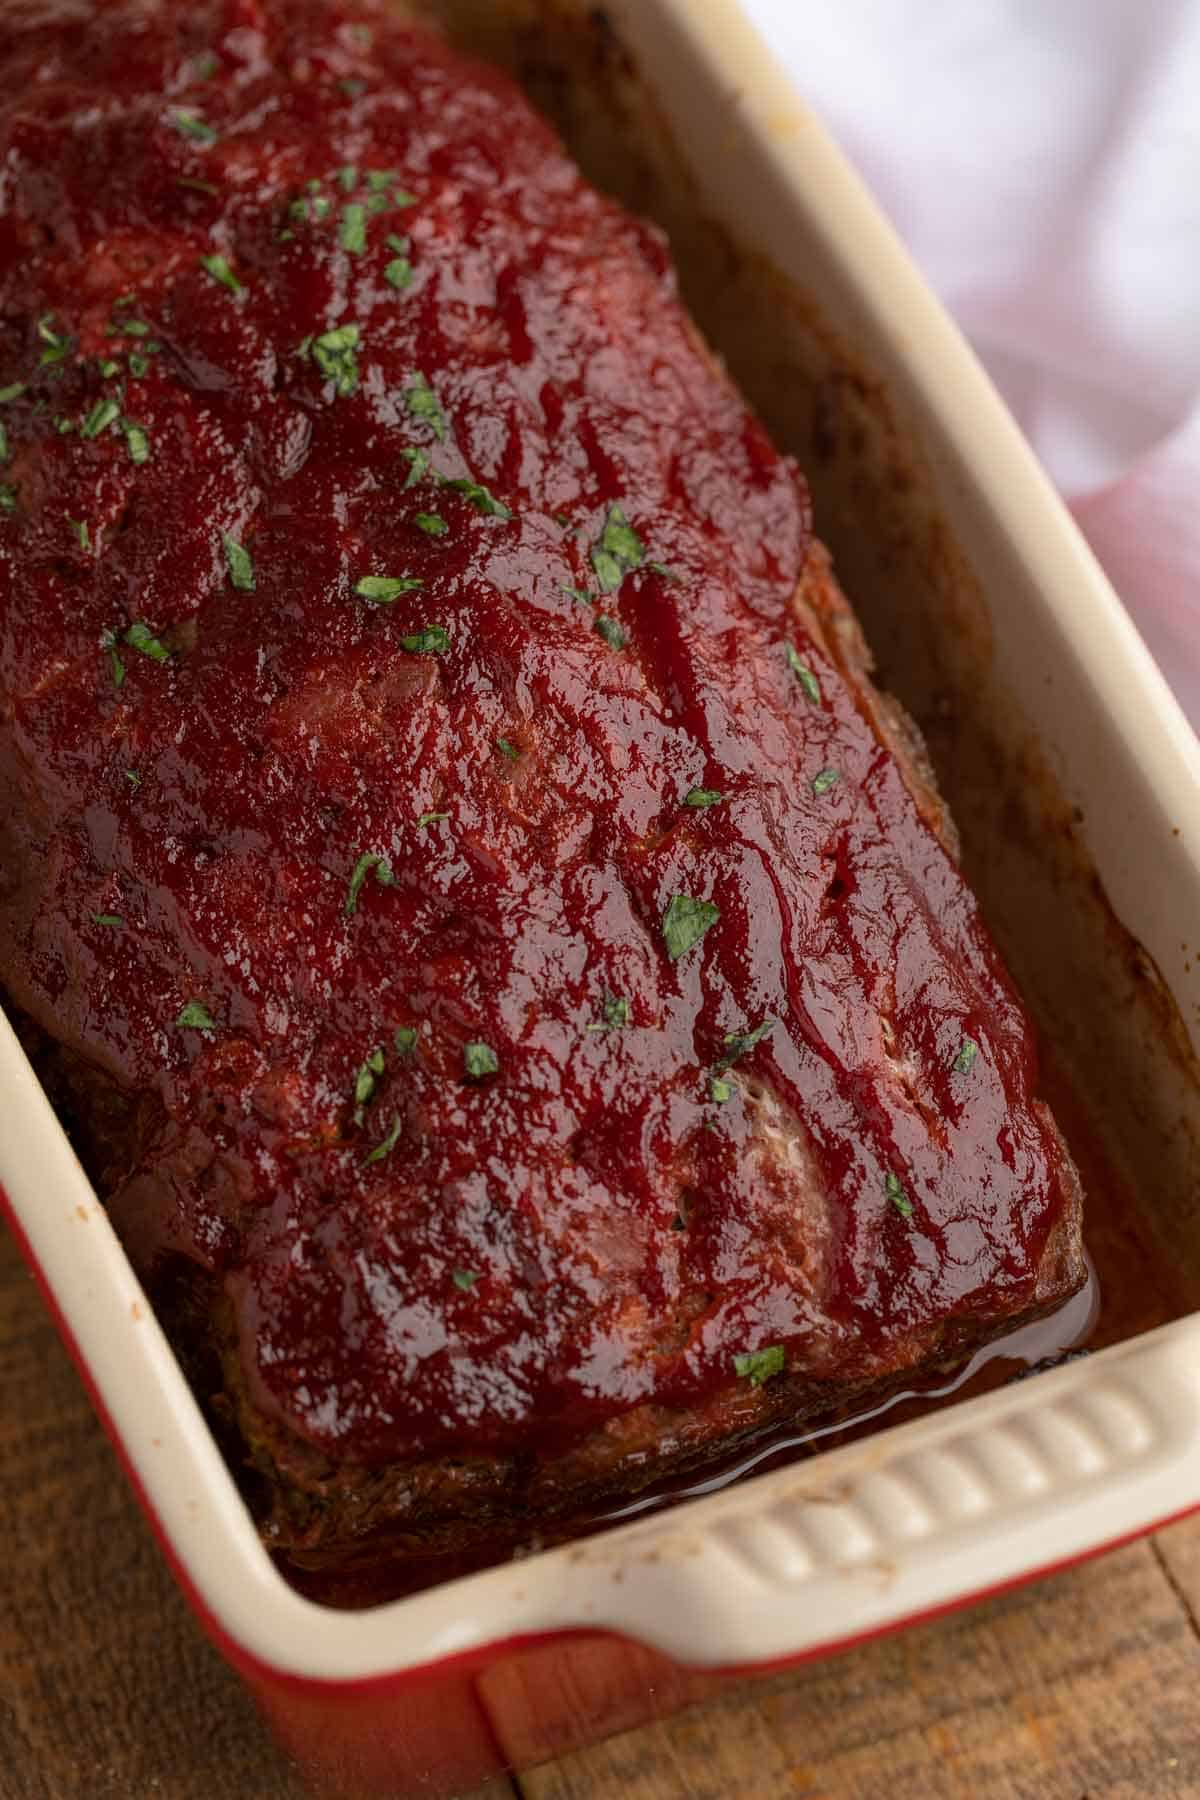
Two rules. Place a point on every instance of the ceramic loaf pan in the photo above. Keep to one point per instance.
(1074, 779)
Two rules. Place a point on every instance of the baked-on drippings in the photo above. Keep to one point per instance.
(495, 932)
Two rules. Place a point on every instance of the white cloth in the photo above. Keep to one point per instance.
(1041, 158)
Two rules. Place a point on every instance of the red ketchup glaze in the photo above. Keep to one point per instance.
(450, 1259)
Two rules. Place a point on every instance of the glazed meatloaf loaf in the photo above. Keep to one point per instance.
(503, 963)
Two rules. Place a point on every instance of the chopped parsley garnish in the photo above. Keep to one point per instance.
(610, 630)
(218, 267)
(377, 179)
(191, 125)
(352, 87)
(398, 272)
(405, 1040)
(757, 1366)
(719, 1088)
(423, 403)
(478, 495)
(333, 353)
(109, 368)
(386, 1146)
(893, 1187)
(465, 1279)
(508, 750)
(381, 590)
(657, 568)
(347, 177)
(136, 441)
(432, 524)
(431, 640)
(963, 1063)
(239, 564)
(108, 643)
(581, 595)
(100, 418)
(825, 780)
(3, 444)
(8, 498)
(135, 328)
(685, 921)
(13, 391)
(480, 1059)
(322, 206)
(113, 919)
(199, 187)
(82, 535)
(619, 550)
(140, 637)
(803, 674)
(352, 235)
(430, 818)
(57, 345)
(366, 1079)
(196, 1017)
(133, 778)
(138, 365)
(740, 1043)
(369, 862)
(702, 797)
(615, 1013)
(418, 461)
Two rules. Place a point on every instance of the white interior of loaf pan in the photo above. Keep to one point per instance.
(1007, 615)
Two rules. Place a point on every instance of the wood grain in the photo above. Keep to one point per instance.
(1084, 1687)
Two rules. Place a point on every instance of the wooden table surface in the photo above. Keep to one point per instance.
(1083, 1687)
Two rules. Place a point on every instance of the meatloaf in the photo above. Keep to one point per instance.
(504, 965)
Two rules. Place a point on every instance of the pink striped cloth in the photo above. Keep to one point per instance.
(1041, 158)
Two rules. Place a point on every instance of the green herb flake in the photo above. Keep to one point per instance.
(581, 595)
(423, 403)
(64, 427)
(140, 637)
(894, 1189)
(465, 1279)
(370, 862)
(431, 640)
(479, 1060)
(191, 125)
(218, 267)
(720, 1089)
(398, 273)
(347, 177)
(377, 179)
(112, 919)
(57, 346)
(668, 574)
(619, 551)
(109, 368)
(758, 1366)
(432, 524)
(480, 497)
(138, 366)
(614, 1010)
(8, 498)
(334, 354)
(352, 87)
(702, 797)
(352, 234)
(827, 778)
(238, 563)
(82, 535)
(196, 1017)
(386, 1146)
(740, 1043)
(803, 674)
(611, 631)
(133, 778)
(418, 461)
(13, 391)
(405, 1040)
(136, 441)
(3, 444)
(100, 418)
(108, 644)
(198, 187)
(430, 818)
(964, 1062)
(685, 921)
(508, 750)
(367, 1078)
(381, 590)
